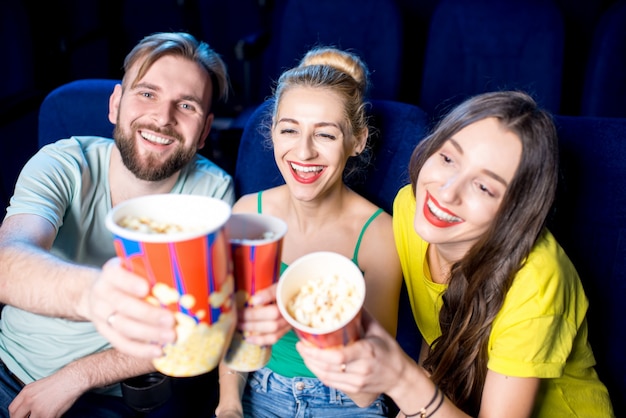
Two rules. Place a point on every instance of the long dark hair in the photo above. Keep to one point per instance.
(479, 282)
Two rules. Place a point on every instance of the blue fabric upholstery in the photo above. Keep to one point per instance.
(605, 81)
(79, 107)
(256, 169)
(398, 127)
(483, 45)
(589, 221)
(371, 28)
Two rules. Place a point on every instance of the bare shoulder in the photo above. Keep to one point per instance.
(377, 240)
(379, 232)
(270, 198)
(246, 203)
(381, 224)
(379, 261)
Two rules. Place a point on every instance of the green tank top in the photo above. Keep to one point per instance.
(285, 359)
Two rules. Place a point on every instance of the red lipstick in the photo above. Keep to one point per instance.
(435, 220)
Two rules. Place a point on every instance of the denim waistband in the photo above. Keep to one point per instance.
(300, 386)
(10, 373)
(271, 394)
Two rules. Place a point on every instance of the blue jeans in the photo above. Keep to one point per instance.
(270, 395)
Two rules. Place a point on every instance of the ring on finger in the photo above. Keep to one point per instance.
(343, 367)
(111, 318)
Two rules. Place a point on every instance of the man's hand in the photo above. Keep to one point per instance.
(49, 397)
(121, 314)
(52, 396)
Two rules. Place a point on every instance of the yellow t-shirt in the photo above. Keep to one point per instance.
(541, 330)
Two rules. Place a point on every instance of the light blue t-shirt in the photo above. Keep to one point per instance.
(67, 183)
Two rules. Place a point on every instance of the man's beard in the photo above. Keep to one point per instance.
(149, 168)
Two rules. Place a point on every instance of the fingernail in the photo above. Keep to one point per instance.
(254, 300)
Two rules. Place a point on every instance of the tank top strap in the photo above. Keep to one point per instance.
(355, 257)
(259, 204)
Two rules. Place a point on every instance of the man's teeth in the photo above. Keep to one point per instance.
(156, 139)
(441, 214)
(309, 169)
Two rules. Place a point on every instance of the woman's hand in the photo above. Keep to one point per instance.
(261, 321)
(372, 364)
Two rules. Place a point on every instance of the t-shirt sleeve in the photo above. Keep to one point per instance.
(404, 233)
(204, 177)
(48, 182)
(533, 334)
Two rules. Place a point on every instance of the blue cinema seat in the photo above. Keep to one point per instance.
(371, 28)
(604, 92)
(589, 220)
(77, 108)
(484, 45)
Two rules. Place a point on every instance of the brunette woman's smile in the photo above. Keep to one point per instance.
(437, 215)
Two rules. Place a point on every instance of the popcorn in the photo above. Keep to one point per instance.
(198, 346)
(147, 225)
(245, 356)
(164, 294)
(223, 297)
(267, 235)
(187, 301)
(242, 355)
(325, 302)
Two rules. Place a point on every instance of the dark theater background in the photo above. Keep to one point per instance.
(569, 54)
(426, 52)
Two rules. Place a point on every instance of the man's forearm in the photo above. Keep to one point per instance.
(39, 282)
(105, 368)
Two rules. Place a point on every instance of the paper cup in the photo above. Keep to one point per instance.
(256, 242)
(330, 314)
(178, 244)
